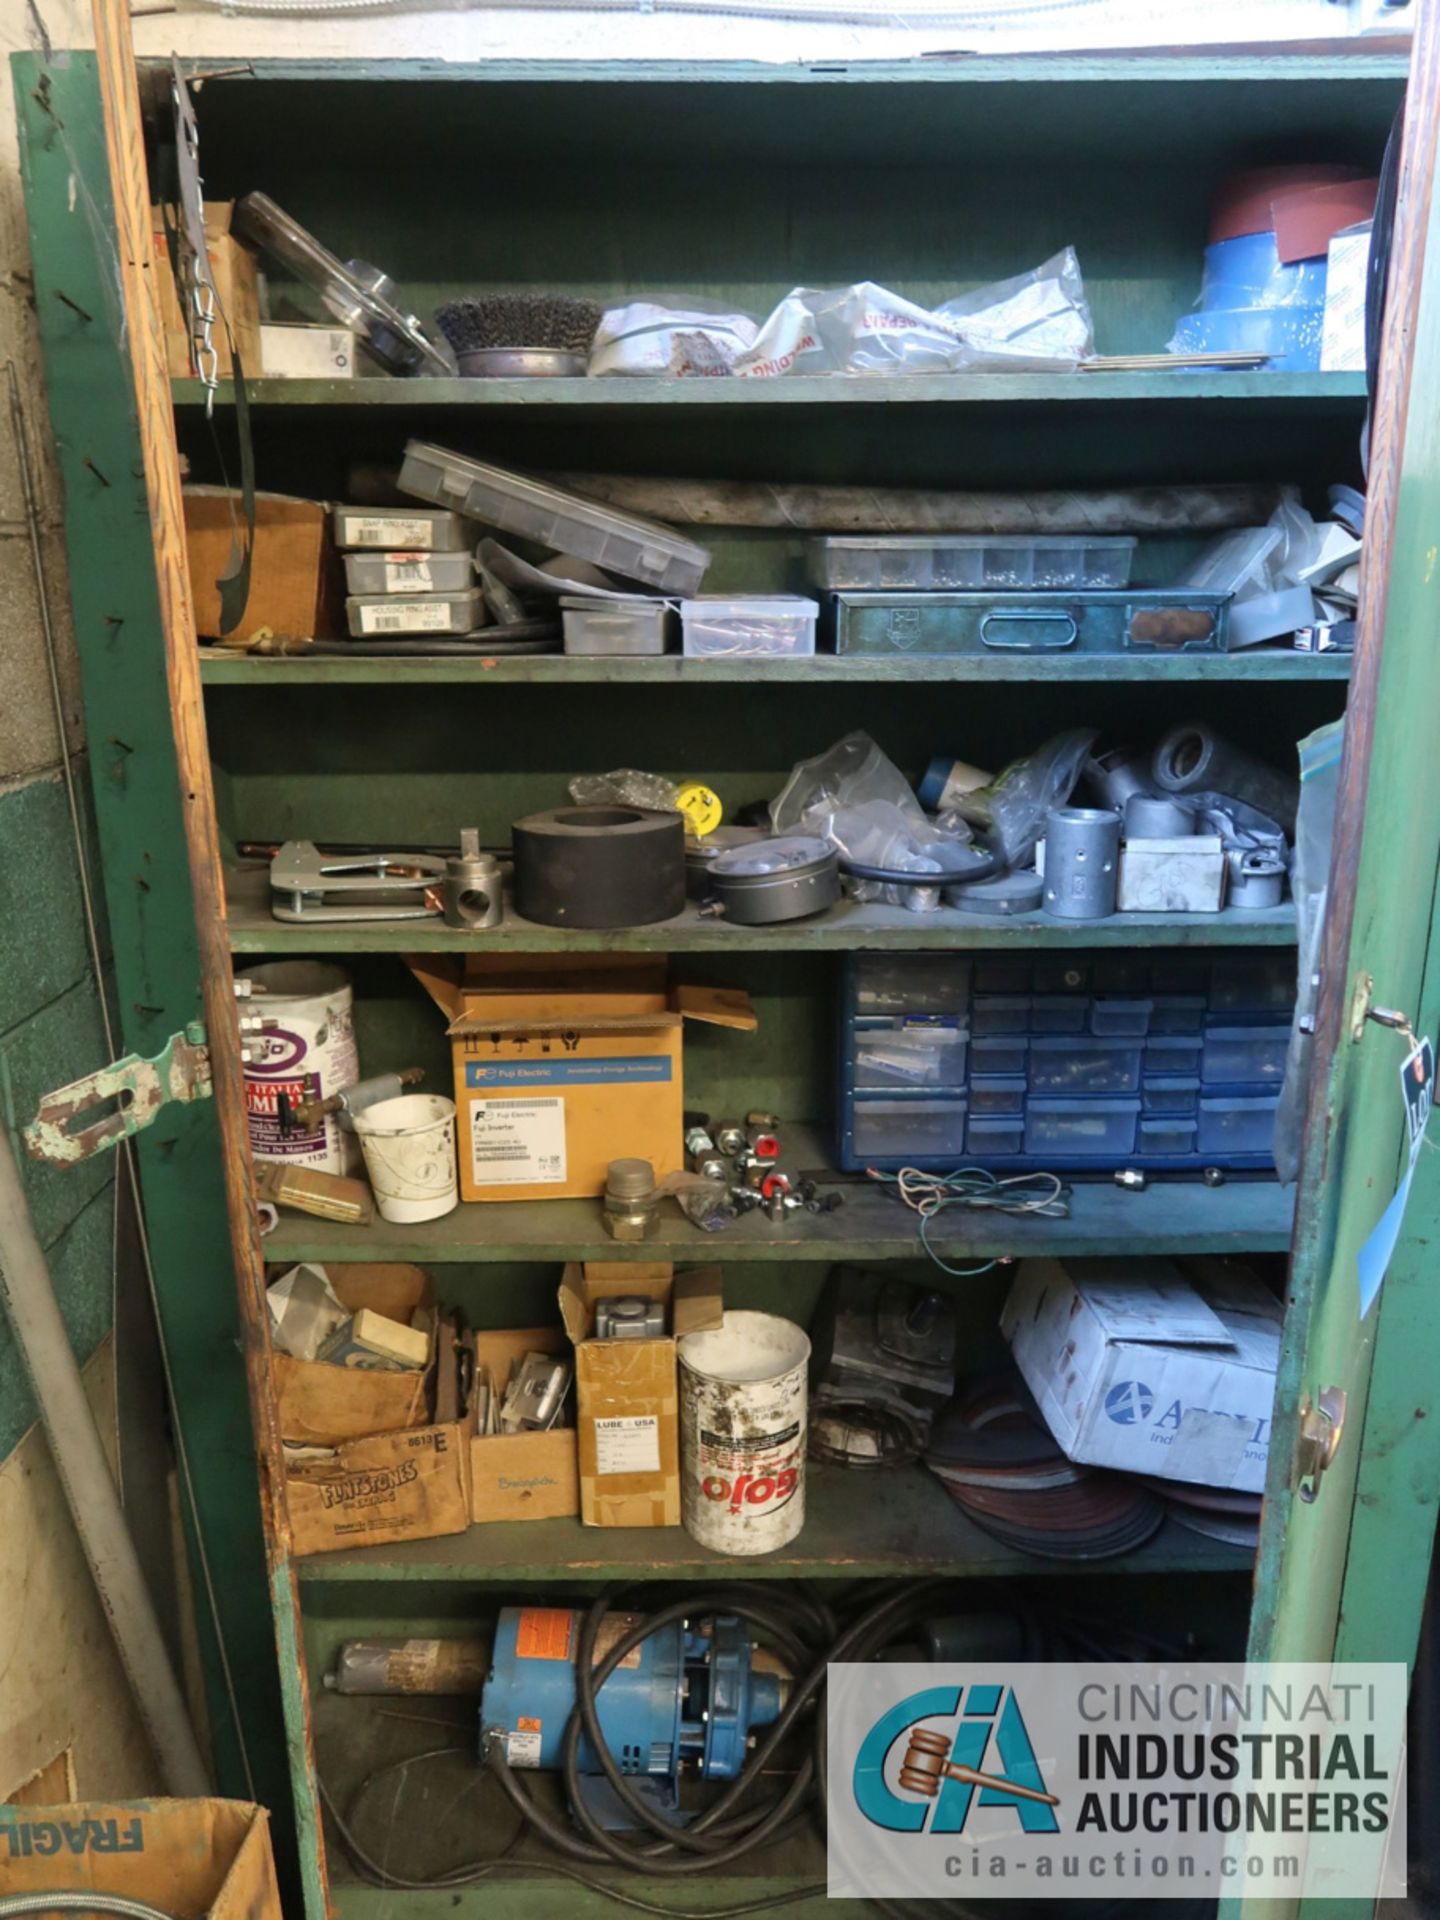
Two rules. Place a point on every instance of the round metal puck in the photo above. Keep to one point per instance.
(599, 866)
(774, 880)
(1003, 893)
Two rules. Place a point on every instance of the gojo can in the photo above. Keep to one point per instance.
(742, 1433)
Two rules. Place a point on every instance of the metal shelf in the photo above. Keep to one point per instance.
(845, 928)
(219, 668)
(855, 1528)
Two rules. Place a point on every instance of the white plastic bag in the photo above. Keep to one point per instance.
(658, 337)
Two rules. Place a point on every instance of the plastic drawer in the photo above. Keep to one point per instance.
(1081, 1129)
(1059, 1012)
(992, 1094)
(990, 1138)
(1178, 1013)
(1180, 973)
(1170, 1096)
(1253, 986)
(911, 983)
(1112, 1018)
(1084, 1065)
(1168, 1054)
(1067, 975)
(1001, 1013)
(610, 627)
(902, 1129)
(409, 572)
(1237, 1124)
(929, 563)
(914, 1053)
(1001, 973)
(1002, 1054)
(1121, 973)
(1169, 1135)
(622, 543)
(1244, 1056)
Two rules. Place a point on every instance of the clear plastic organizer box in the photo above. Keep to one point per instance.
(742, 628)
(920, 563)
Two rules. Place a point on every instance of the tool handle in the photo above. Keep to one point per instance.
(972, 1777)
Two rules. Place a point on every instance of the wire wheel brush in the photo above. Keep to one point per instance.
(500, 334)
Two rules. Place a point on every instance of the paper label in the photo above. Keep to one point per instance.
(628, 1444)
(517, 1142)
(408, 570)
(522, 1748)
(407, 616)
(389, 530)
(612, 1628)
(544, 1633)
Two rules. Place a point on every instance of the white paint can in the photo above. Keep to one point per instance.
(304, 1051)
(409, 1146)
(742, 1433)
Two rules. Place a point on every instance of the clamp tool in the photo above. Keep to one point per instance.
(305, 883)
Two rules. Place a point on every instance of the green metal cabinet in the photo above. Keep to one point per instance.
(738, 182)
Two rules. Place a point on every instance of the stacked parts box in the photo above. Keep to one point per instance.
(561, 1066)
(294, 581)
(1137, 1366)
(627, 1404)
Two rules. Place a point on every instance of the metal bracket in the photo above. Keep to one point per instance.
(1363, 1008)
(1321, 1429)
(180, 1071)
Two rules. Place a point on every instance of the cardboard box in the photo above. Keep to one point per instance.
(1136, 1366)
(189, 1858)
(562, 1066)
(237, 291)
(627, 1405)
(413, 1485)
(522, 1476)
(1347, 274)
(306, 353)
(319, 1405)
(296, 589)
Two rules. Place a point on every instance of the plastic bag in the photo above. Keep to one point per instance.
(626, 787)
(1013, 807)
(1314, 831)
(659, 336)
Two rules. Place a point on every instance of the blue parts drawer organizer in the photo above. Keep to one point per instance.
(1072, 1063)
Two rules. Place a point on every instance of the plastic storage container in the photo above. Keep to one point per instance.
(402, 529)
(1248, 986)
(1059, 1012)
(1244, 1056)
(1177, 1013)
(916, 1053)
(621, 542)
(1084, 1065)
(924, 563)
(438, 613)
(1238, 1125)
(1164, 1135)
(1001, 1013)
(1004, 1055)
(627, 627)
(1120, 1017)
(992, 1094)
(412, 572)
(1081, 1129)
(901, 1130)
(1179, 1095)
(995, 1137)
(1169, 1054)
(911, 983)
(759, 628)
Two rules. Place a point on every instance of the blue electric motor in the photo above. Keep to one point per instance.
(679, 1697)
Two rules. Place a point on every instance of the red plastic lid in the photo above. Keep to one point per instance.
(1306, 218)
(1243, 203)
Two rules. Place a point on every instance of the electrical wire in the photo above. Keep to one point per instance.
(125, 1149)
(976, 1189)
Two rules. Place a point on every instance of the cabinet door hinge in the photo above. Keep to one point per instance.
(138, 1087)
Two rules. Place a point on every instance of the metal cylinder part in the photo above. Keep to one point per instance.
(410, 1666)
(1257, 879)
(632, 1205)
(1002, 893)
(474, 893)
(601, 866)
(731, 1139)
(1152, 817)
(774, 880)
(1193, 758)
(1117, 775)
(1082, 862)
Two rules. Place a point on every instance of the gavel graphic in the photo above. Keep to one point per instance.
(928, 1762)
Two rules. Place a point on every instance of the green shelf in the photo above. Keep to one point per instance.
(221, 669)
(1248, 387)
(1170, 1216)
(863, 1527)
(847, 927)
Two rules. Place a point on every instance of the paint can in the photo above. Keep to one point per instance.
(304, 1050)
(742, 1433)
(409, 1147)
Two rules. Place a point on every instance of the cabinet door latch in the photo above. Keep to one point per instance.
(1321, 1427)
(133, 1089)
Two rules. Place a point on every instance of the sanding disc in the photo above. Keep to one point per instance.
(602, 866)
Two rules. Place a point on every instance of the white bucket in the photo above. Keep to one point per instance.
(409, 1147)
(742, 1433)
(305, 1052)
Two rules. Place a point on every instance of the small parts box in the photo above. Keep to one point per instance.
(748, 628)
(435, 613)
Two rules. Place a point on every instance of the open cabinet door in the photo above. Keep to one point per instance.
(1352, 1545)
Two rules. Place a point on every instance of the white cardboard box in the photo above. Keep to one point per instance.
(306, 353)
(1342, 339)
(1133, 1367)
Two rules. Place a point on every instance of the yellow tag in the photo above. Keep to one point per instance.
(701, 807)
